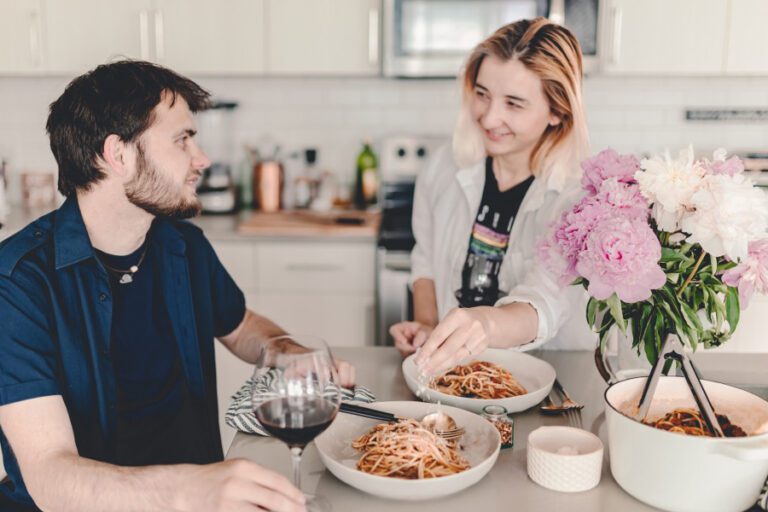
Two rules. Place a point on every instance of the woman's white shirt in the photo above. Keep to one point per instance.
(444, 209)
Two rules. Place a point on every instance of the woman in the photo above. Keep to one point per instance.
(478, 213)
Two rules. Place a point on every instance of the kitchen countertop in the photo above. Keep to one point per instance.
(248, 225)
(507, 486)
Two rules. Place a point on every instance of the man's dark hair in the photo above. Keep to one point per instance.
(114, 98)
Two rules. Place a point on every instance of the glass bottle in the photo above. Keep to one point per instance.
(497, 415)
(367, 177)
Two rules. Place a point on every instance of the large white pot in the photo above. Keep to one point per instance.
(686, 473)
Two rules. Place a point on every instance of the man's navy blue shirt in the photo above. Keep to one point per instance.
(56, 314)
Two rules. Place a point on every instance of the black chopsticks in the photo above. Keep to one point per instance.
(367, 412)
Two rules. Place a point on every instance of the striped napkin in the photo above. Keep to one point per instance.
(762, 502)
(240, 414)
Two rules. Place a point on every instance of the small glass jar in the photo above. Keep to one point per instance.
(497, 415)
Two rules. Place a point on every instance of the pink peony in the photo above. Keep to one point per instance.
(625, 199)
(751, 275)
(608, 164)
(720, 165)
(622, 256)
(561, 252)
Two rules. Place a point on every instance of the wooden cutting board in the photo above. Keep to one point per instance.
(307, 223)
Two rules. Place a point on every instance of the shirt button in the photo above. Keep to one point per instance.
(38, 234)
(102, 297)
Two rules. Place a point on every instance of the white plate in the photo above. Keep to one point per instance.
(480, 446)
(535, 375)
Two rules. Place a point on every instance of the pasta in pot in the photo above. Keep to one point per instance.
(479, 379)
(690, 422)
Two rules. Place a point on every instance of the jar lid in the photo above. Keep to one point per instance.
(495, 410)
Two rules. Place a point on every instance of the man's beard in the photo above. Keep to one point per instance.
(156, 194)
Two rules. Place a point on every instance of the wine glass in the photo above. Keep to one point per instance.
(303, 397)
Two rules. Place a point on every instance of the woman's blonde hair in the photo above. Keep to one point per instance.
(551, 52)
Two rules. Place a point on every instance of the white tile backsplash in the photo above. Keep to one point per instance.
(333, 114)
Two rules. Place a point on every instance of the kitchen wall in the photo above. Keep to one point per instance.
(629, 114)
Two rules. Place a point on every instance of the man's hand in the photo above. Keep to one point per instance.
(235, 485)
(409, 336)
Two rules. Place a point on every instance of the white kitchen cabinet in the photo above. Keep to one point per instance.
(323, 37)
(307, 286)
(746, 51)
(21, 37)
(665, 37)
(204, 37)
(81, 34)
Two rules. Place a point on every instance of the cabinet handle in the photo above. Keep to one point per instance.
(35, 52)
(616, 47)
(159, 35)
(313, 267)
(144, 34)
(373, 36)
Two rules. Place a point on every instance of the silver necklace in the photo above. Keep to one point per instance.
(126, 276)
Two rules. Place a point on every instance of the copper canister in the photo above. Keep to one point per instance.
(268, 185)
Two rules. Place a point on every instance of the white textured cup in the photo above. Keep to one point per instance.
(565, 471)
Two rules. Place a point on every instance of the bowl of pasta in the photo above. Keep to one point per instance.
(672, 461)
(515, 380)
(404, 461)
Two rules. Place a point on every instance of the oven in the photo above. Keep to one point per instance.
(402, 157)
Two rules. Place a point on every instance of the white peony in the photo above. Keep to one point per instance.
(669, 184)
(727, 212)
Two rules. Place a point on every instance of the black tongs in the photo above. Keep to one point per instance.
(673, 350)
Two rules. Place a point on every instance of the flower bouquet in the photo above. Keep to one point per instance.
(664, 247)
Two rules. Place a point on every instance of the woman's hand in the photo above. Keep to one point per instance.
(462, 334)
(409, 336)
(347, 373)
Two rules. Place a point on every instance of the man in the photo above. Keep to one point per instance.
(109, 307)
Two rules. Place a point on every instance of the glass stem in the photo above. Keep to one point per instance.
(296, 452)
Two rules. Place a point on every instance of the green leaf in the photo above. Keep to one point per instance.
(691, 318)
(732, 308)
(673, 277)
(577, 281)
(605, 329)
(614, 305)
(668, 255)
(592, 311)
(713, 263)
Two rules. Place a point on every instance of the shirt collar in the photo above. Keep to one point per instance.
(70, 239)
(72, 244)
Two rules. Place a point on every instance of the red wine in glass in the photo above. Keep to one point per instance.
(303, 399)
(296, 420)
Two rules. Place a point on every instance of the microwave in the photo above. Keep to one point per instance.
(432, 38)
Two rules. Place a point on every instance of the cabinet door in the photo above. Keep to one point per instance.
(21, 43)
(747, 38)
(82, 34)
(204, 37)
(341, 320)
(323, 37)
(665, 37)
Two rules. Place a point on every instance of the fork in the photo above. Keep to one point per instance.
(572, 409)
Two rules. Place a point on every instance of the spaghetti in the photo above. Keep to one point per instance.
(407, 450)
(690, 422)
(479, 379)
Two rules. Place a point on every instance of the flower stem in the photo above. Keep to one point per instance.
(693, 273)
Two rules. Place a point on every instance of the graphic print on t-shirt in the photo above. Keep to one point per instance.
(489, 240)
